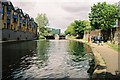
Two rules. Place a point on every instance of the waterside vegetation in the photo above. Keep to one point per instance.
(103, 17)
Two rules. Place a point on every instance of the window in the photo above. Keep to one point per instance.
(14, 20)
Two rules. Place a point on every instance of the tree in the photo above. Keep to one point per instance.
(42, 21)
(70, 30)
(78, 27)
(87, 25)
(103, 16)
(81, 26)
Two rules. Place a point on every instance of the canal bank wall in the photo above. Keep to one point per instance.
(14, 41)
(100, 65)
(16, 35)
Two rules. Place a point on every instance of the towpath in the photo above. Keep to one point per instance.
(110, 57)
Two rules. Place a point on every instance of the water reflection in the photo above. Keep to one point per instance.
(45, 59)
(42, 53)
(12, 54)
(78, 51)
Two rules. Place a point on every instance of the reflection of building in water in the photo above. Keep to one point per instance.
(16, 54)
(16, 25)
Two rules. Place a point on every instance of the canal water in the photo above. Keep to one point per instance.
(51, 59)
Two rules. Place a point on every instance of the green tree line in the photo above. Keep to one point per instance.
(103, 16)
(78, 27)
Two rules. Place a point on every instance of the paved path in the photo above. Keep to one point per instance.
(109, 55)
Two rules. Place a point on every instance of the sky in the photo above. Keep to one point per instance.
(60, 13)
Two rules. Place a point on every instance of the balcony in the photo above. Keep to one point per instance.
(21, 20)
(8, 20)
(8, 16)
(32, 24)
(9, 8)
(24, 20)
(8, 12)
(15, 16)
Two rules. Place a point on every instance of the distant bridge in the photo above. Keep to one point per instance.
(56, 37)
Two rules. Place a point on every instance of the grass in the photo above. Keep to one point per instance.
(115, 47)
(85, 39)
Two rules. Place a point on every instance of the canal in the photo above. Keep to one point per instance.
(42, 59)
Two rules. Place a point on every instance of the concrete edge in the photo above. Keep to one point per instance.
(10, 41)
(100, 65)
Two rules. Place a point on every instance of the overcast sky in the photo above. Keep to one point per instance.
(59, 12)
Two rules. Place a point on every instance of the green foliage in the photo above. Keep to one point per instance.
(87, 26)
(103, 15)
(42, 21)
(82, 26)
(78, 27)
(70, 30)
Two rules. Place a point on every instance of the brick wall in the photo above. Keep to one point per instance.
(95, 32)
(116, 39)
(92, 33)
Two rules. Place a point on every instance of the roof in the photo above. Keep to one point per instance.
(9, 3)
(26, 15)
(31, 19)
(16, 9)
(21, 11)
